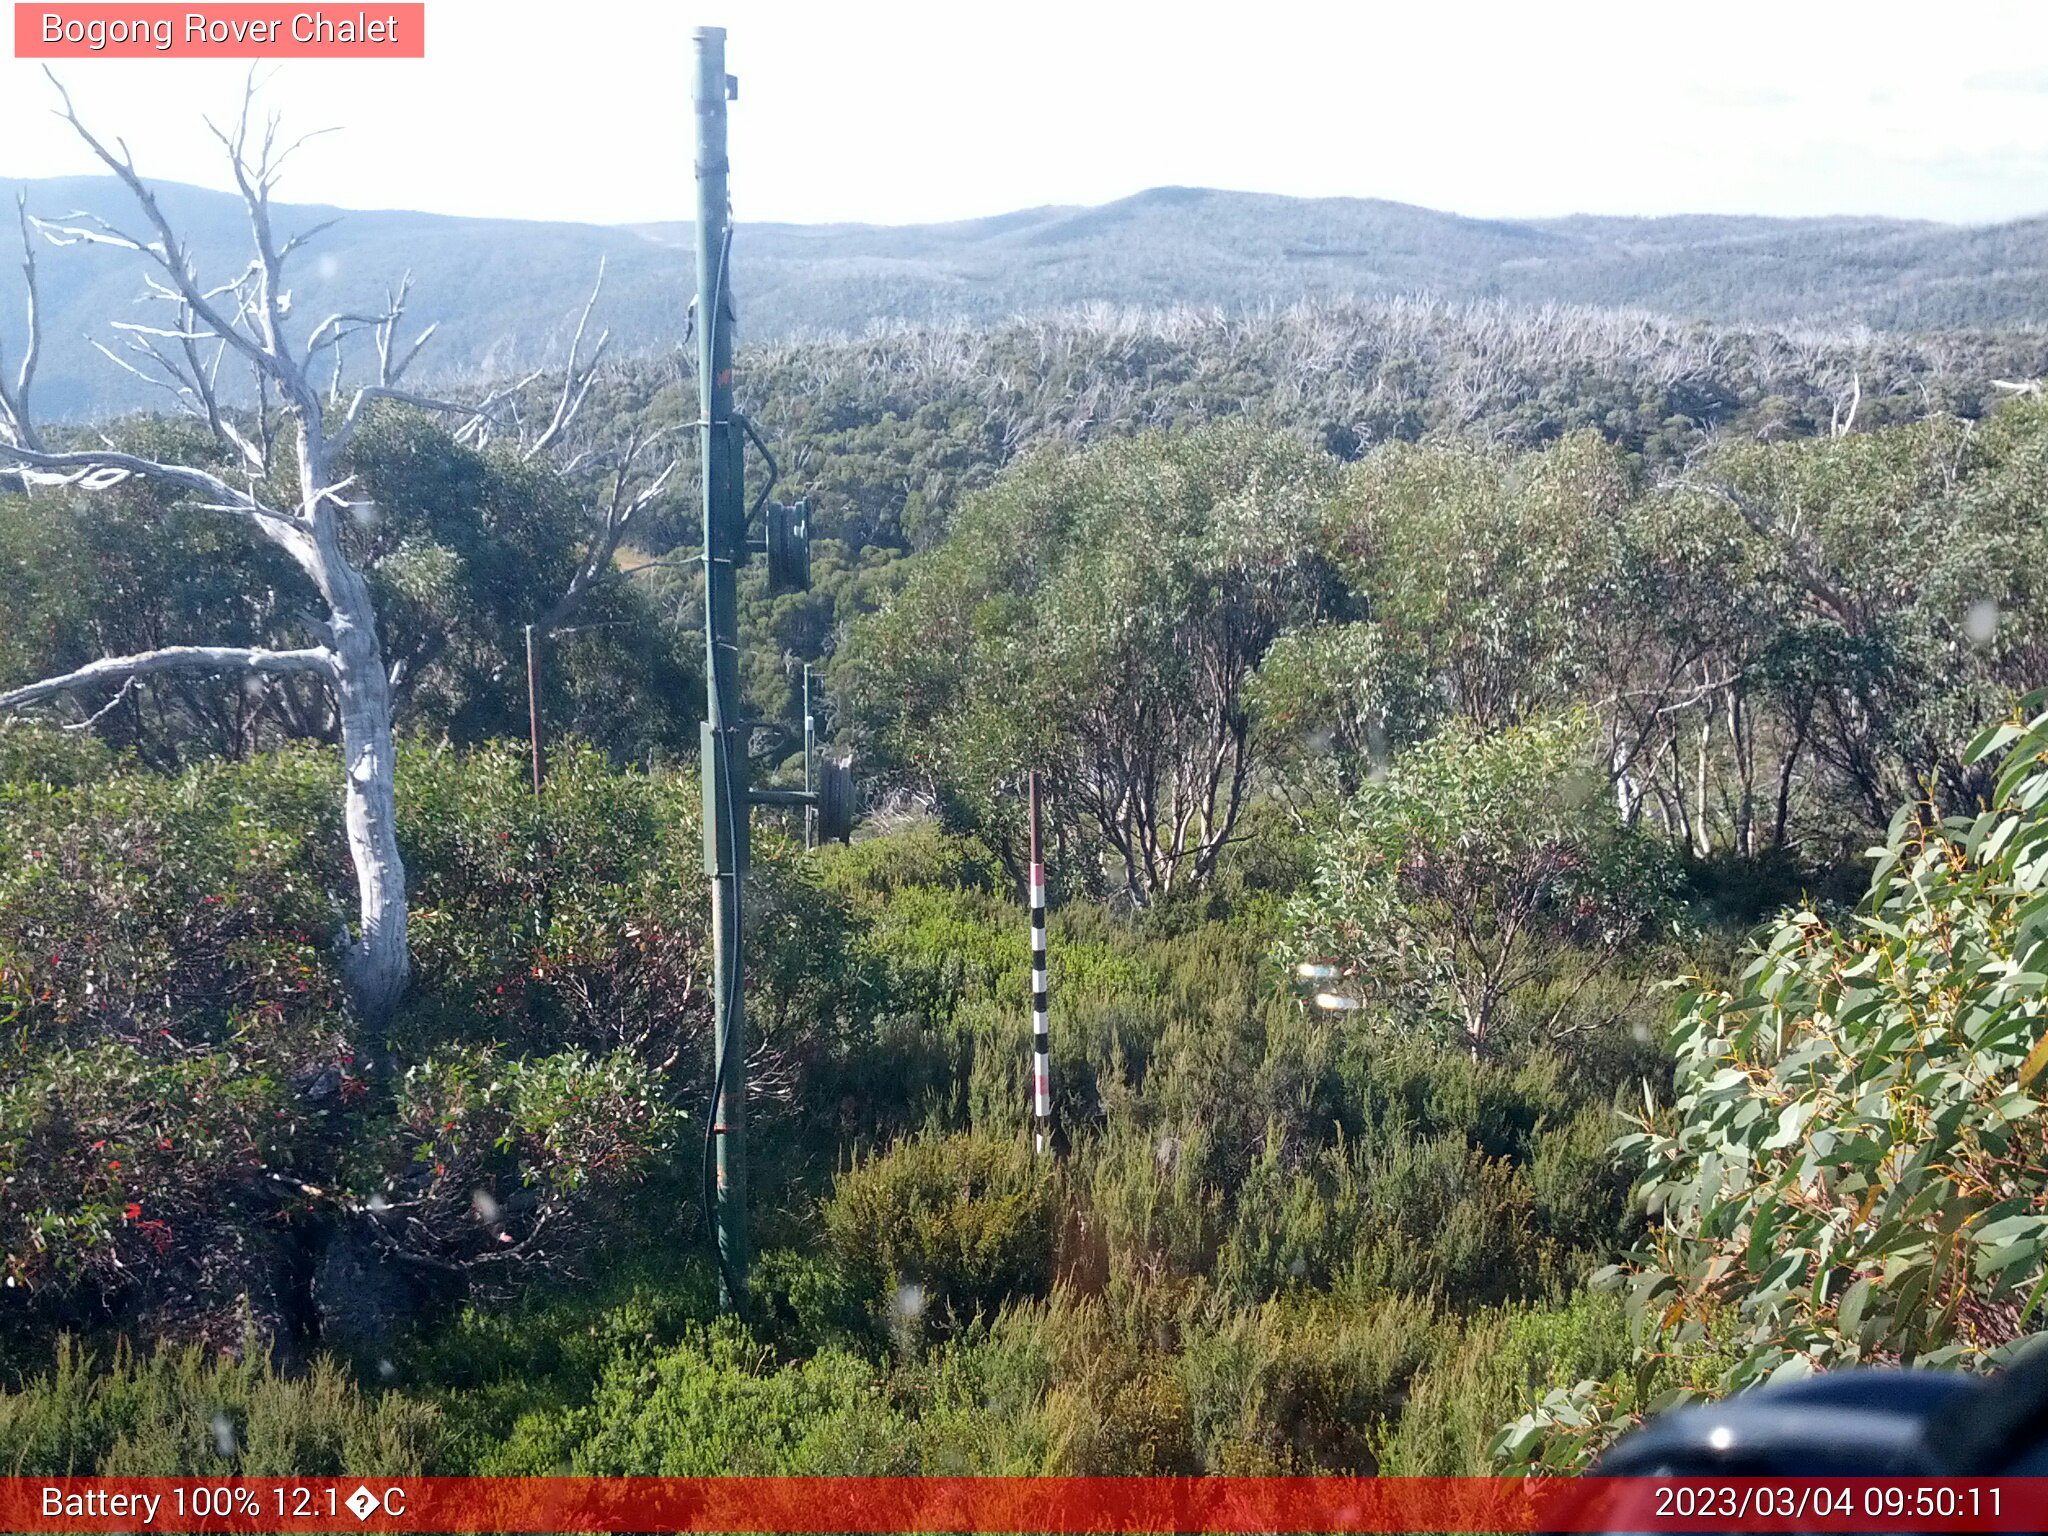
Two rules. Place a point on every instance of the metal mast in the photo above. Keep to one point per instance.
(827, 798)
(723, 758)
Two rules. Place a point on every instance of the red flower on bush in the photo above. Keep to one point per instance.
(132, 1211)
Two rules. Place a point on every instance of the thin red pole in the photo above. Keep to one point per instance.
(533, 707)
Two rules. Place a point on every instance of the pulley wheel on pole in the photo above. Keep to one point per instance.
(835, 800)
(789, 547)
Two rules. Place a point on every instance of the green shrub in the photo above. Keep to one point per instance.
(55, 759)
(979, 1398)
(1114, 1402)
(485, 1159)
(946, 1226)
(719, 1405)
(507, 1373)
(1436, 1174)
(177, 1037)
(1475, 866)
(1154, 1198)
(181, 1413)
(1489, 1368)
(922, 855)
(1303, 1383)
(1390, 1212)
(813, 1298)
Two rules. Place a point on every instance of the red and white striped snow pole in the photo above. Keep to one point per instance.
(1041, 1036)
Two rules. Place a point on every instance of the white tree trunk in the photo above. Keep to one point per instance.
(379, 960)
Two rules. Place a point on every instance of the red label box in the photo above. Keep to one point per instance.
(377, 30)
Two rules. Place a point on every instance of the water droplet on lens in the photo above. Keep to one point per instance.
(1981, 622)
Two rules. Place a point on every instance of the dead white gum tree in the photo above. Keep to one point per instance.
(616, 477)
(284, 487)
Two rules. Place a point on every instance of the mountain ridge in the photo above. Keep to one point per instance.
(506, 291)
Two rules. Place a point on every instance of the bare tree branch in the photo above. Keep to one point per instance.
(190, 381)
(337, 328)
(624, 504)
(576, 377)
(306, 237)
(127, 687)
(470, 415)
(168, 252)
(1842, 422)
(205, 659)
(391, 364)
(97, 469)
(255, 181)
(14, 408)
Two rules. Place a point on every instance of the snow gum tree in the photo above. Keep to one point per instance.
(279, 474)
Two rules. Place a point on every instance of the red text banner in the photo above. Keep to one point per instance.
(232, 31)
(1048, 1504)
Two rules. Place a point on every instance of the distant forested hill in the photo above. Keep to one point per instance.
(505, 291)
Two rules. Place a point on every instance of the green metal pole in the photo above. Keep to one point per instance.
(810, 756)
(724, 741)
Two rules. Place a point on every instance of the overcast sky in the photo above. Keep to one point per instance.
(896, 111)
